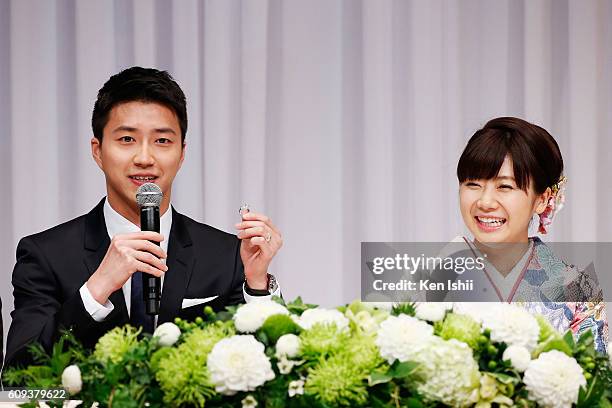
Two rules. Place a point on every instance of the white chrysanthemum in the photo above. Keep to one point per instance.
(450, 371)
(251, 316)
(320, 315)
(518, 356)
(432, 311)
(554, 379)
(476, 310)
(71, 379)
(168, 334)
(288, 345)
(239, 363)
(513, 325)
(402, 338)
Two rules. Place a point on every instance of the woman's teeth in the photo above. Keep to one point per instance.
(492, 222)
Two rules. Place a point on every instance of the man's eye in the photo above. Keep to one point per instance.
(163, 140)
(126, 139)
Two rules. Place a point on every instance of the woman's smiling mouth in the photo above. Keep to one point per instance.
(489, 224)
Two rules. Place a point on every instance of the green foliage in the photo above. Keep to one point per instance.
(408, 308)
(298, 306)
(338, 368)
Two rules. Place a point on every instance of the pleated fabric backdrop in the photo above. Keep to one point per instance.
(342, 120)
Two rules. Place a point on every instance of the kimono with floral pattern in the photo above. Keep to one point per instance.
(544, 274)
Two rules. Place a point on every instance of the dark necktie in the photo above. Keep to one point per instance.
(138, 316)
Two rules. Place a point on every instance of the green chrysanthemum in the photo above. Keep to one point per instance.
(462, 328)
(321, 340)
(182, 373)
(363, 353)
(338, 382)
(277, 325)
(115, 344)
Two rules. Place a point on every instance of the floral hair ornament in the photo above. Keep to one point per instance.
(555, 204)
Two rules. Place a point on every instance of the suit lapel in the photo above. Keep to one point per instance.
(180, 266)
(96, 244)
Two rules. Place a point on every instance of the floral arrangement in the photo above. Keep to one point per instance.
(275, 354)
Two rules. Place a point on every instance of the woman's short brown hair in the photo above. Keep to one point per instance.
(534, 152)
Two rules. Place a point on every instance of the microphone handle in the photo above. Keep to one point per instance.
(151, 285)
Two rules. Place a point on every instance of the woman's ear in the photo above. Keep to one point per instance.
(542, 201)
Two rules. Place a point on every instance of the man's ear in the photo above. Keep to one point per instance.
(96, 151)
(182, 155)
(542, 201)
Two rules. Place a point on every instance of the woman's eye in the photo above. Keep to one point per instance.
(506, 187)
(472, 184)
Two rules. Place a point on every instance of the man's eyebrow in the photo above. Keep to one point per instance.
(165, 130)
(124, 128)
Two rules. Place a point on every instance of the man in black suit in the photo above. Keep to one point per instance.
(85, 274)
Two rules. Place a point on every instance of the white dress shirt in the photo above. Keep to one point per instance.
(117, 224)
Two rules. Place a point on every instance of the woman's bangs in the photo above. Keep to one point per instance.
(482, 158)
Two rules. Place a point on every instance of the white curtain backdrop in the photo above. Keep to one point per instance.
(342, 120)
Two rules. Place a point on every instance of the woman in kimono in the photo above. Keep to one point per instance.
(511, 172)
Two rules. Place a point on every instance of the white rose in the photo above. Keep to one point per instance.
(168, 334)
(239, 363)
(320, 315)
(554, 379)
(518, 356)
(71, 379)
(288, 345)
(432, 311)
(251, 316)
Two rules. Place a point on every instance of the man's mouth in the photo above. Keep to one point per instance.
(139, 180)
(489, 223)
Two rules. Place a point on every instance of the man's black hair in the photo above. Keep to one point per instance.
(139, 84)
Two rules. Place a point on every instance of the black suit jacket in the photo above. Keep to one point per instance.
(54, 264)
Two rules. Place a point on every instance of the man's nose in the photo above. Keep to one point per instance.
(144, 156)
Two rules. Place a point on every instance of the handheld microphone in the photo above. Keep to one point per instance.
(149, 197)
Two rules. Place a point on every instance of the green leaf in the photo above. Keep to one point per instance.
(553, 343)
(568, 337)
(414, 403)
(504, 378)
(592, 395)
(402, 370)
(378, 377)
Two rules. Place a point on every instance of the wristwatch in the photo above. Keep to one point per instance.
(272, 287)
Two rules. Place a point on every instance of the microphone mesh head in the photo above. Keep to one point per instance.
(149, 194)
